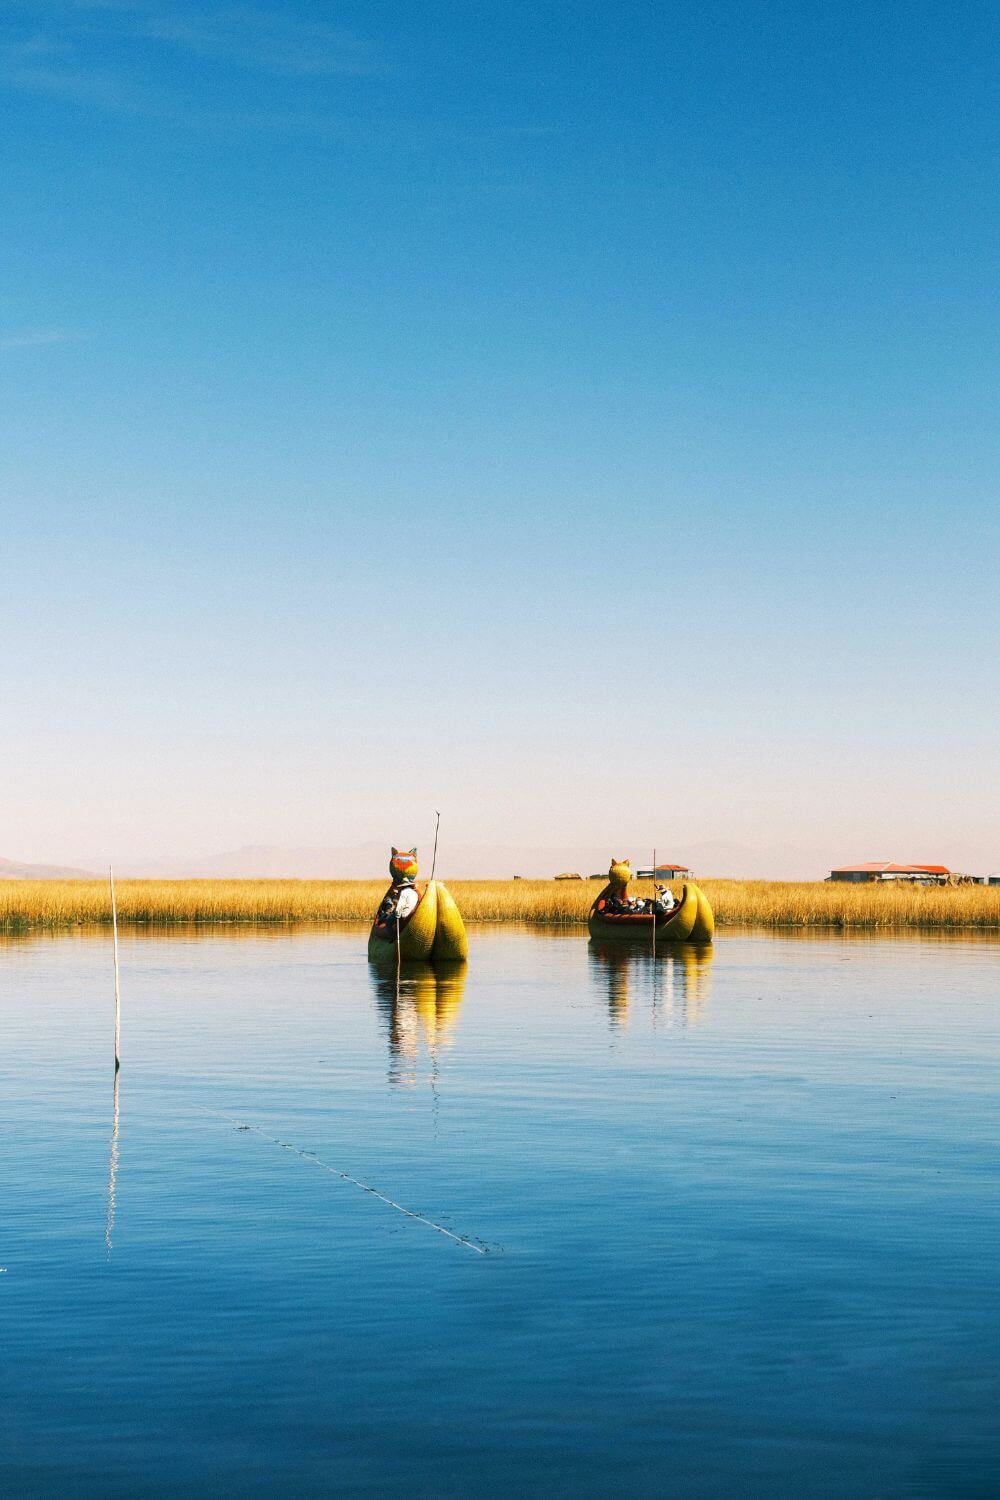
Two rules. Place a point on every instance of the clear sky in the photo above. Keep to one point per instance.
(578, 416)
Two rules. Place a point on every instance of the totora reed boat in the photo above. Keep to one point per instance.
(689, 919)
(415, 923)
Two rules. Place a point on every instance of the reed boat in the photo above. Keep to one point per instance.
(691, 921)
(451, 944)
(433, 931)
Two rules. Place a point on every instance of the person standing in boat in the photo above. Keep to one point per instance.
(401, 899)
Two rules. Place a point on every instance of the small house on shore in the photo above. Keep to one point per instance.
(664, 872)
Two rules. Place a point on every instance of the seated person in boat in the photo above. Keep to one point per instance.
(614, 900)
(400, 900)
(663, 902)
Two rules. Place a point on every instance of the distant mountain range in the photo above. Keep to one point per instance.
(10, 869)
(347, 862)
(368, 861)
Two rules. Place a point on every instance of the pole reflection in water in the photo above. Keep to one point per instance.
(420, 1002)
(112, 1170)
(675, 982)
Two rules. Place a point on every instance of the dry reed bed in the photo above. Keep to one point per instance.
(27, 905)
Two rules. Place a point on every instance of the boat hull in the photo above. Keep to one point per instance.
(703, 930)
(434, 931)
(416, 935)
(451, 943)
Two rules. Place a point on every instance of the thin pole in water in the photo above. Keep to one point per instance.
(112, 1171)
(114, 941)
(435, 859)
(654, 908)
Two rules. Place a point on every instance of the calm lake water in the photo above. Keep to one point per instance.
(741, 1213)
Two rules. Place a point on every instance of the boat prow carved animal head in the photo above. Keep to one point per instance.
(620, 872)
(403, 865)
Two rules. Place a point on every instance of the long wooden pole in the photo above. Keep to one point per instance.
(654, 906)
(435, 859)
(118, 998)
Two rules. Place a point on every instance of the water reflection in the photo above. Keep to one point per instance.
(674, 984)
(421, 1002)
(112, 1168)
(211, 932)
(185, 932)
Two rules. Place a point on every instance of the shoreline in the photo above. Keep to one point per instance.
(54, 905)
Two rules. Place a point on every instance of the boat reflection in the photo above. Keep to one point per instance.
(675, 982)
(421, 1002)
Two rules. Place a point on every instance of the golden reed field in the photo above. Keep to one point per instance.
(27, 905)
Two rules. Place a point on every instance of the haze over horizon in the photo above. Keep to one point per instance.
(456, 862)
(580, 419)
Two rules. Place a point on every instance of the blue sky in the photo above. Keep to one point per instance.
(581, 416)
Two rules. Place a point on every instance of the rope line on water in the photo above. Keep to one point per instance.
(317, 1161)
